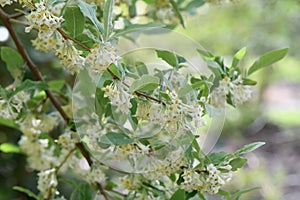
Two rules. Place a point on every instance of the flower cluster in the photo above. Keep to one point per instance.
(207, 181)
(11, 108)
(174, 116)
(238, 92)
(70, 57)
(165, 12)
(101, 57)
(43, 20)
(118, 96)
(33, 126)
(6, 2)
(175, 161)
(47, 183)
(130, 183)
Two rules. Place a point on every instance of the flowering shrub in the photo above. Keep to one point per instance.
(131, 130)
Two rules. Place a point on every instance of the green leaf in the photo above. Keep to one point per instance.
(13, 60)
(238, 56)
(56, 85)
(83, 191)
(168, 56)
(218, 157)
(201, 196)
(107, 16)
(30, 85)
(238, 163)
(247, 81)
(178, 195)
(183, 91)
(268, 59)
(90, 12)
(177, 12)
(129, 27)
(225, 194)
(7, 122)
(206, 55)
(145, 83)
(119, 138)
(9, 148)
(74, 20)
(26, 191)
(248, 148)
(237, 194)
(141, 68)
(193, 5)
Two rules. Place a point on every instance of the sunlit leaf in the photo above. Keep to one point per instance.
(248, 148)
(145, 83)
(268, 59)
(178, 195)
(238, 56)
(26, 191)
(9, 148)
(168, 56)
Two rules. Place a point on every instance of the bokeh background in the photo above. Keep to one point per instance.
(273, 115)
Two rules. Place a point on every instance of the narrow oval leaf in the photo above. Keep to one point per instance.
(107, 16)
(9, 148)
(26, 191)
(74, 20)
(238, 163)
(178, 195)
(118, 138)
(238, 56)
(90, 12)
(267, 59)
(247, 81)
(168, 56)
(146, 83)
(248, 148)
(13, 60)
(177, 12)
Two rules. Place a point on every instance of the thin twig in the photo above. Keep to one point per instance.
(67, 37)
(6, 21)
(151, 186)
(65, 160)
(16, 15)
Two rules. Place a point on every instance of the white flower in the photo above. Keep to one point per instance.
(6, 2)
(10, 108)
(95, 174)
(32, 126)
(43, 20)
(70, 57)
(101, 57)
(47, 183)
(118, 97)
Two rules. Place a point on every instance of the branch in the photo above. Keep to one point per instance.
(5, 19)
(88, 158)
(114, 76)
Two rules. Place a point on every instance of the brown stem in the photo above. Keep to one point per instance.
(67, 37)
(16, 15)
(114, 76)
(5, 19)
(88, 158)
(65, 160)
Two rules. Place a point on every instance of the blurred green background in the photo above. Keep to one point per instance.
(272, 116)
